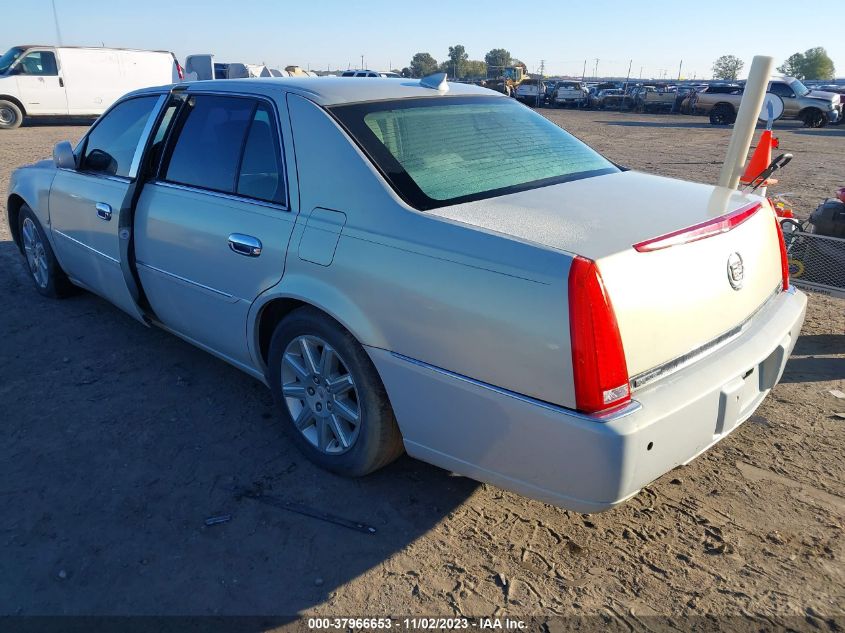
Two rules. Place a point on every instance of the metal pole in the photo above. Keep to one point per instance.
(584, 73)
(596, 69)
(625, 90)
(746, 120)
(679, 69)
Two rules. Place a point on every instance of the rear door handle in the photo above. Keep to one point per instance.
(103, 211)
(245, 244)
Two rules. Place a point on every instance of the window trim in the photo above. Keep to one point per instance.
(404, 186)
(176, 129)
(82, 146)
(39, 49)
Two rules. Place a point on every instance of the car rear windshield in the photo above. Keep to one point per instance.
(446, 150)
(9, 58)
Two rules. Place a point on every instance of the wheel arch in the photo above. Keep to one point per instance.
(13, 210)
(726, 104)
(295, 292)
(16, 101)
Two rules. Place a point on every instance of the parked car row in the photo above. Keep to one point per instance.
(815, 107)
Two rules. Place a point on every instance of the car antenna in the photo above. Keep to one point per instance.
(436, 81)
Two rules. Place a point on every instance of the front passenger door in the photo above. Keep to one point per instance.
(211, 232)
(790, 102)
(39, 84)
(85, 203)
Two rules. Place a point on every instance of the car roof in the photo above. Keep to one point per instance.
(328, 91)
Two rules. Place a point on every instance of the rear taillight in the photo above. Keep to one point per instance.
(784, 258)
(598, 358)
(722, 224)
(179, 70)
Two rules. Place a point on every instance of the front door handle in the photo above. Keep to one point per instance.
(245, 244)
(103, 211)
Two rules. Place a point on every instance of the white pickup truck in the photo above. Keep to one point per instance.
(570, 93)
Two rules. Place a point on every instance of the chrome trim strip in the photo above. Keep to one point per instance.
(607, 416)
(93, 174)
(145, 135)
(220, 194)
(83, 245)
(685, 360)
(187, 281)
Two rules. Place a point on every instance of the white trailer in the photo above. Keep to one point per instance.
(77, 81)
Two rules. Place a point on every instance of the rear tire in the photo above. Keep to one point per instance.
(722, 115)
(11, 116)
(40, 261)
(322, 379)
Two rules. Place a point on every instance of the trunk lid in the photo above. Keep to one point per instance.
(668, 302)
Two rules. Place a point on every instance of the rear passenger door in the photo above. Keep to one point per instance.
(212, 229)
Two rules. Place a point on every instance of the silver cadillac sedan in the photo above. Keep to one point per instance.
(425, 267)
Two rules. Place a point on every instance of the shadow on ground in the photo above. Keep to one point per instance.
(120, 441)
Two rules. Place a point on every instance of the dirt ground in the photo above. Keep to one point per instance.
(119, 441)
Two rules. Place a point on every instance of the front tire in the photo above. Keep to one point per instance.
(330, 397)
(722, 115)
(40, 261)
(11, 116)
(814, 118)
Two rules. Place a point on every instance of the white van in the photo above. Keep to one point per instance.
(75, 81)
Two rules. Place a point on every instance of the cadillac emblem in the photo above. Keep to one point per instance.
(736, 271)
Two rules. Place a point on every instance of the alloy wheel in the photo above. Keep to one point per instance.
(36, 257)
(320, 394)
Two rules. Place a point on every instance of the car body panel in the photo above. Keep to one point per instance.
(581, 463)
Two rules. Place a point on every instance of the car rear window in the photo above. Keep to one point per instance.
(446, 150)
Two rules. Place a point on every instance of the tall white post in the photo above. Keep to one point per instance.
(746, 120)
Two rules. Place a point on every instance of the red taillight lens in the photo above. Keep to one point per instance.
(784, 258)
(180, 71)
(701, 231)
(598, 358)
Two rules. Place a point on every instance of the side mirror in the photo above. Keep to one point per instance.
(63, 156)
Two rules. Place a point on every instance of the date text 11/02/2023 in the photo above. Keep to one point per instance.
(415, 623)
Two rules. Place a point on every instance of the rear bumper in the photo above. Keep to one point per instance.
(588, 463)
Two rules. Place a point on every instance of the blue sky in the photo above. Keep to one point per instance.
(656, 35)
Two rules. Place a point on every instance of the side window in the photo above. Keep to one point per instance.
(41, 63)
(111, 145)
(781, 90)
(261, 174)
(208, 150)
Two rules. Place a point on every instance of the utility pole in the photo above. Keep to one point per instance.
(596, 69)
(584, 73)
(625, 92)
(641, 73)
(362, 62)
(680, 68)
(540, 80)
(56, 20)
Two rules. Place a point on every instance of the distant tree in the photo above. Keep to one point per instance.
(407, 72)
(727, 67)
(793, 66)
(813, 63)
(423, 64)
(498, 57)
(475, 68)
(457, 58)
(817, 64)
